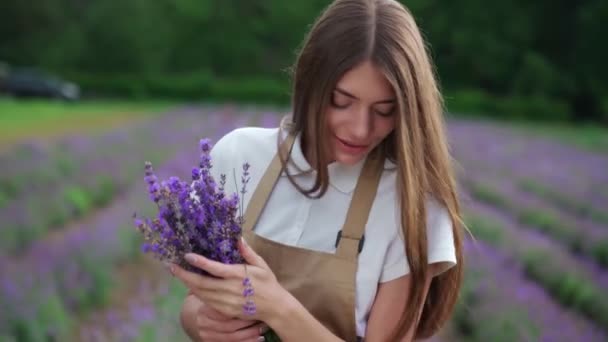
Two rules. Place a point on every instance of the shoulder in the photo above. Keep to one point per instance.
(248, 145)
(248, 138)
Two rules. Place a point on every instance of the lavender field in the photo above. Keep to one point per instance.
(72, 268)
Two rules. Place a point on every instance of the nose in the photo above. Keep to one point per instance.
(362, 125)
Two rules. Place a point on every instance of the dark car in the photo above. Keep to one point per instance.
(3, 74)
(35, 83)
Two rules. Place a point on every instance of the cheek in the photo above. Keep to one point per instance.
(335, 118)
(384, 127)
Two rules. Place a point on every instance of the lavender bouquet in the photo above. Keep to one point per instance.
(197, 217)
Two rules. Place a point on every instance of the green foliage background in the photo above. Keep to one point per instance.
(525, 59)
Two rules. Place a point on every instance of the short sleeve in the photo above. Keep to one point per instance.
(395, 262)
(440, 235)
(441, 249)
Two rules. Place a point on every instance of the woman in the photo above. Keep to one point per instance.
(353, 229)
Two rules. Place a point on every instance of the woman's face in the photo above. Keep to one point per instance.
(361, 113)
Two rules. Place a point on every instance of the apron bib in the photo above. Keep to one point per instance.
(325, 283)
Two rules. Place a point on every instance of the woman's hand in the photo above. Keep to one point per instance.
(226, 294)
(212, 326)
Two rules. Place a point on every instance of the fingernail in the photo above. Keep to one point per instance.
(191, 258)
(243, 240)
(261, 339)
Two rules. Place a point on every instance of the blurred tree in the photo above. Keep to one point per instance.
(542, 50)
(589, 53)
(127, 36)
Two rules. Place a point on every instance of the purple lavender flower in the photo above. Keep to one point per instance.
(197, 217)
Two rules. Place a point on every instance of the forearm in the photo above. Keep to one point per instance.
(188, 316)
(295, 323)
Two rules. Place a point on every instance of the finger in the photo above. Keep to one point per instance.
(205, 310)
(252, 333)
(255, 339)
(213, 314)
(215, 268)
(196, 282)
(228, 305)
(207, 323)
(189, 279)
(250, 256)
(248, 334)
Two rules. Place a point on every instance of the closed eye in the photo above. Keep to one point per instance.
(386, 111)
(339, 101)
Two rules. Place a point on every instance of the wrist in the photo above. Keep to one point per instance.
(286, 309)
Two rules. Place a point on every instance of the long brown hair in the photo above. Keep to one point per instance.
(347, 33)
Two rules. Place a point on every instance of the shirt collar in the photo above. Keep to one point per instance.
(341, 176)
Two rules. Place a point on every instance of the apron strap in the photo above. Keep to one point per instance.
(358, 212)
(360, 207)
(262, 191)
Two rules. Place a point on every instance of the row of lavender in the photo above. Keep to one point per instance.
(45, 187)
(515, 289)
(555, 239)
(63, 276)
(499, 303)
(507, 311)
(153, 313)
(579, 235)
(573, 180)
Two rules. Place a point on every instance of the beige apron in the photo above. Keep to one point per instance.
(323, 282)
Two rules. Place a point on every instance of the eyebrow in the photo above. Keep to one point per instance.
(345, 93)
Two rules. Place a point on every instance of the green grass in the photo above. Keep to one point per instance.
(21, 120)
(589, 137)
(563, 201)
(485, 229)
(475, 105)
(486, 193)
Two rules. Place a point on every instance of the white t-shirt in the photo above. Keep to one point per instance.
(293, 219)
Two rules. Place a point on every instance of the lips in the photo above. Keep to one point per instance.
(350, 148)
(349, 144)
